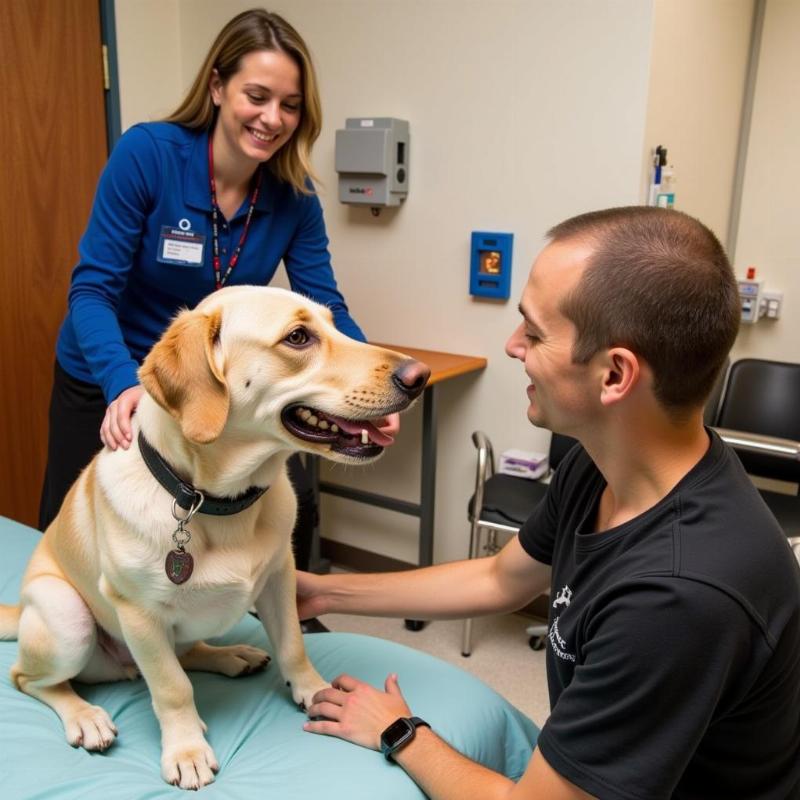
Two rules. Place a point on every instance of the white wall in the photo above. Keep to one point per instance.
(768, 224)
(522, 113)
(697, 79)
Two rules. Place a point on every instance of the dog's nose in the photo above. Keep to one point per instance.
(411, 376)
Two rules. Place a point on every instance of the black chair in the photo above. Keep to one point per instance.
(759, 416)
(503, 503)
(712, 404)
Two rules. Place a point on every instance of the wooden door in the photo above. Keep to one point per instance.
(52, 148)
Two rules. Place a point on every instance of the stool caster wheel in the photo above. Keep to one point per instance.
(536, 642)
(414, 625)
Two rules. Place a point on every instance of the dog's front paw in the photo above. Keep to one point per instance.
(303, 690)
(189, 766)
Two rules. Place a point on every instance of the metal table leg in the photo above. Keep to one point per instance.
(317, 563)
(427, 488)
(428, 480)
(424, 511)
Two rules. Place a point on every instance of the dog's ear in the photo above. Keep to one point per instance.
(180, 374)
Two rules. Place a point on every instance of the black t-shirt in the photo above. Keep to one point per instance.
(673, 657)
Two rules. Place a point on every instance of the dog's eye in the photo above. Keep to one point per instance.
(298, 337)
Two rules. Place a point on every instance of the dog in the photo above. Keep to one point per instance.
(173, 540)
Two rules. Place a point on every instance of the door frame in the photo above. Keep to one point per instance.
(108, 32)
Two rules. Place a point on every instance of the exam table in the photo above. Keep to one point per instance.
(253, 725)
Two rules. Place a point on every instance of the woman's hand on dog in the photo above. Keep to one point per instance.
(355, 711)
(116, 428)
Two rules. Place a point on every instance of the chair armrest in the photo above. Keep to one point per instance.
(485, 453)
(484, 469)
(756, 443)
(794, 543)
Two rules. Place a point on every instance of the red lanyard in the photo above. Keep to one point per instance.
(215, 214)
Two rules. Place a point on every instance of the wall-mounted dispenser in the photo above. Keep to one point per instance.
(372, 161)
(756, 303)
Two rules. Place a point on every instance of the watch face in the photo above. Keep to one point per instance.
(397, 733)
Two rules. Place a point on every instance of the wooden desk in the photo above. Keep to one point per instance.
(444, 366)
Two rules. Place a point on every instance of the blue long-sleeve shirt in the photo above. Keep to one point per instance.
(147, 252)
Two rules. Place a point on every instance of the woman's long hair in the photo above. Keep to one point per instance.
(249, 31)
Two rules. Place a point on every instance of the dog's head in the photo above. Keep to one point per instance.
(265, 363)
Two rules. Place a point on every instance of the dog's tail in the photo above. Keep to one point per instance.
(9, 622)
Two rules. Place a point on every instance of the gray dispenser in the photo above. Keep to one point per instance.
(372, 161)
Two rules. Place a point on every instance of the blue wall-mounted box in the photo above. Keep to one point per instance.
(490, 265)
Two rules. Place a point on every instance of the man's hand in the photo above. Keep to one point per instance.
(309, 595)
(116, 428)
(356, 711)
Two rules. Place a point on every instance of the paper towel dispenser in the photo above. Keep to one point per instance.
(372, 161)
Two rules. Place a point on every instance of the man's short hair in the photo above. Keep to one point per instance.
(660, 284)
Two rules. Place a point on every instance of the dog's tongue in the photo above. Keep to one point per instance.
(355, 428)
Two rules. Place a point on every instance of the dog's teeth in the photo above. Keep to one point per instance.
(305, 414)
(364, 436)
(312, 420)
(323, 424)
(334, 428)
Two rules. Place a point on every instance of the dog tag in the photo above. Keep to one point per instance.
(179, 566)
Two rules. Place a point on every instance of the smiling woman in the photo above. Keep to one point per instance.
(219, 193)
(280, 65)
(258, 110)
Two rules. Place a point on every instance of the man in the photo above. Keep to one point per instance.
(674, 645)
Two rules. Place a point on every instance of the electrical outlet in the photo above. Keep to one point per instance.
(771, 305)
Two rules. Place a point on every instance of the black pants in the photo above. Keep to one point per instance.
(77, 409)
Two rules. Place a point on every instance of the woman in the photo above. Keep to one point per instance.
(217, 194)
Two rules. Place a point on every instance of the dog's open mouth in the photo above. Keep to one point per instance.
(356, 438)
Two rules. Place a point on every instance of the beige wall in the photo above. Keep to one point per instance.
(522, 113)
(149, 55)
(697, 79)
(700, 53)
(768, 224)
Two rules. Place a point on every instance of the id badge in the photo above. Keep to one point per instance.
(179, 247)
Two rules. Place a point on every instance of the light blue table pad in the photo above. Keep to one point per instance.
(253, 725)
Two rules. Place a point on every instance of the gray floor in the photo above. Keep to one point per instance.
(500, 656)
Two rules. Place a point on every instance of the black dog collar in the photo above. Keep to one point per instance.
(186, 495)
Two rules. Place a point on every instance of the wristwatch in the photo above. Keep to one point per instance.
(399, 734)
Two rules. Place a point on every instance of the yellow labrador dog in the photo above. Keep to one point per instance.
(170, 542)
